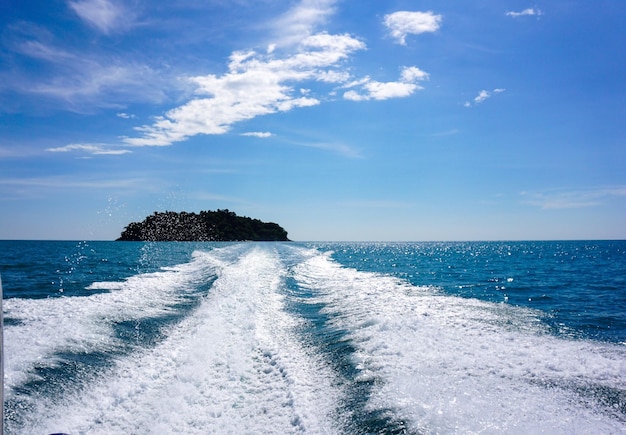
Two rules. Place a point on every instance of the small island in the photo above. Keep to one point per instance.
(206, 226)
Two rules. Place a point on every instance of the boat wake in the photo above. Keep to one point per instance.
(278, 338)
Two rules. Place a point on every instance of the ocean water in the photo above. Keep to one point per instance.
(314, 338)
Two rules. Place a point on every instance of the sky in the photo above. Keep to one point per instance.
(340, 120)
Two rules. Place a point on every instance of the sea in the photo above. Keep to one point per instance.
(314, 338)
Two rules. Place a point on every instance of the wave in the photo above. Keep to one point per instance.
(232, 365)
(277, 338)
(446, 364)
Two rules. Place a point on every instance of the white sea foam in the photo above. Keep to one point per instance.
(233, 366)
(454, 365)
(41, 328)
(236, 365)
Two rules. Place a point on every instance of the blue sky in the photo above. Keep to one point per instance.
(339, 120)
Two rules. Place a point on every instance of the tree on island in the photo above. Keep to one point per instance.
(206, 226)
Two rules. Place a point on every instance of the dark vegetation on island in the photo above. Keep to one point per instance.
(206, 226)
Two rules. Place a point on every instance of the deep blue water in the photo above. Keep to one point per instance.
(466, 337)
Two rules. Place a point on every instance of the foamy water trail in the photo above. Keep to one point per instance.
(38, 330)
(452, 365)
(265, 338)
(234, 365)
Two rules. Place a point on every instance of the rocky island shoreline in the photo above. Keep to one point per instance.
(206, 226)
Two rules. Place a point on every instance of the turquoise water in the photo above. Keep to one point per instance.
(498, 337)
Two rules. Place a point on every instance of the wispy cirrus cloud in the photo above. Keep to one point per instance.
(95, 149)
(43, 50)
(404, 23)
(259, 134)
(525, 12)
(338, 148)
(482, 96)
(94, 83)
(301, 21)
(565, 199)
(69, 182)
(80, 81)
(105, 15)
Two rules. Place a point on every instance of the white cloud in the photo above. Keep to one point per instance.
(358, 82)
(375, 90)
(254, 85)
(525, 12)
(95, 149)
(126, 115)
(301, 21)
(354, 96)
(384, 91)
(104, 15)
(482, 96)
(412, 73)
(405, 23)
(333, 76)
(260, 134)
(574, 198)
